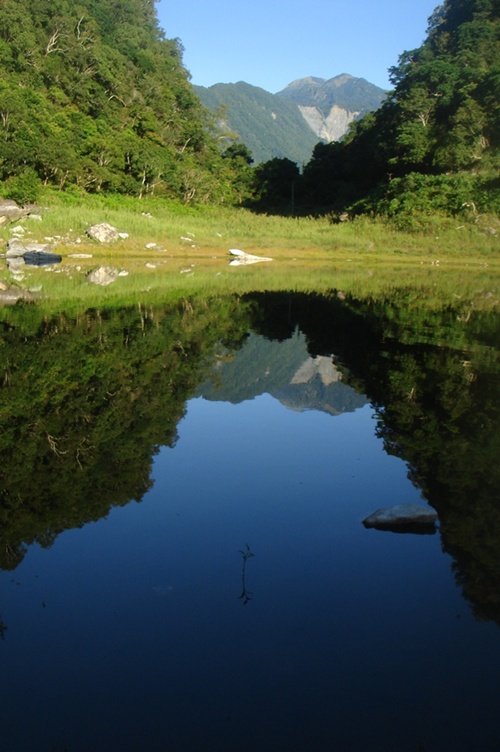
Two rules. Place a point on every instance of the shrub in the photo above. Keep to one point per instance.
(23, 188)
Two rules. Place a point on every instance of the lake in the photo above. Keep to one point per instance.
(184, 564)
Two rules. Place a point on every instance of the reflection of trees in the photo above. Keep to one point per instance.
(86, 402)
(434, 378)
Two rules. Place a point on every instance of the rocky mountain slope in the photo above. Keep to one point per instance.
(290, 123)
(329, 106)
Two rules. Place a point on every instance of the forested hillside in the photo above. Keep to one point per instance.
(269, 125)
(434, 146)
(93, 95)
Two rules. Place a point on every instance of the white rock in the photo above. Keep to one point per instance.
(245, 258)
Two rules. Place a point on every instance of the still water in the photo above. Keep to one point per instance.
(226, 595)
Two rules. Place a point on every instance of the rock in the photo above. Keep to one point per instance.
(103, 233)
(34, 254)
(15, 248)
(103, 275)
(38, 247)
(11, 211)
(41, 258)
(15, 264)
(243, 258)
(13, 294)
(403, 517)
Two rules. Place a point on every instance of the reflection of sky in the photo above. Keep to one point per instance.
(128, 634)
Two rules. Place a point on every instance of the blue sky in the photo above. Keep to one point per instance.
(269, 43)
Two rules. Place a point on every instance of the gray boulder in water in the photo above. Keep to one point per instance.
(403, 518)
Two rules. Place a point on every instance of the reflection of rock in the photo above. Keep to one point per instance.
(13, 294)
(403, 517)
(319, 366)
(103, 275)
(243, 258)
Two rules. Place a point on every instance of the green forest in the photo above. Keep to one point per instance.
(95, 98)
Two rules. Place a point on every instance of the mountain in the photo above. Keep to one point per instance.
(290, 123)
(270, 126)
(329, 106)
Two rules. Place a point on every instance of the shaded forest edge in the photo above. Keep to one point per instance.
(87, 401)
(94, 98)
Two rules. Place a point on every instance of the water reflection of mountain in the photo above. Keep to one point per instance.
(285, 370)
(86, 401)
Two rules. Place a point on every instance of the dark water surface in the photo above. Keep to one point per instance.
(242, 605)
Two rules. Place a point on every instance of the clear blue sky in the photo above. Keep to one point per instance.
(269, 43)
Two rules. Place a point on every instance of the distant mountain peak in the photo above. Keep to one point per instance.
(341, 79)
(307, 80)
(290, 123)
(329, 105)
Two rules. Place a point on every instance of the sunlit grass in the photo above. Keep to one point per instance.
(172, 249)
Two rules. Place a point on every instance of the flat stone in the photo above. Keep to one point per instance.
(402, 517)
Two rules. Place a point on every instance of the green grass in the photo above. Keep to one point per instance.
(192, 244)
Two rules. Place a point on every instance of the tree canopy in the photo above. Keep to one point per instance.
(439, 130)
(93, 94)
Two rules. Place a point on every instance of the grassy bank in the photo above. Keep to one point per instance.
(171, 247)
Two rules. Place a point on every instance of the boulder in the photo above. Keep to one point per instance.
(403, 518)
(41, 258)
(103, 275)
(13, 294)
(15, 248)
(10, 211)
(103, 233)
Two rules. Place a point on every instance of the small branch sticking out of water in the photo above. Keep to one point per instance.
(245, 594)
